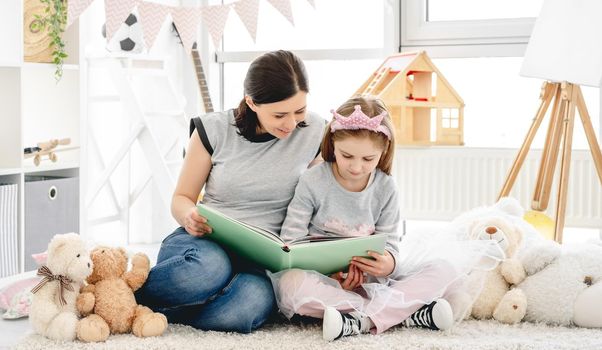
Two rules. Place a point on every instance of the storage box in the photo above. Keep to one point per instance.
(9, 230)
(51, 207)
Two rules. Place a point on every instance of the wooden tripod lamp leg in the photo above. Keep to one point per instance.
(589, 130)
(568, 123)
(548, 90)
(549, 156)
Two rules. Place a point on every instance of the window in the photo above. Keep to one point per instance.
(341, 42)
(467, 28)
(334, 24)
(463, 10)
(500, 104)
(450, 118)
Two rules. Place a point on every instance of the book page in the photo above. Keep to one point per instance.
(268, 234)
(314, 238)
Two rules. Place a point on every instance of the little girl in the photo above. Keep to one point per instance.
(353, 193)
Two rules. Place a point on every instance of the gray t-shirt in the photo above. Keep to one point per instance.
(321, 206)
(254, 181)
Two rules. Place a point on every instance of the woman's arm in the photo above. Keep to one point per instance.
(194, 173)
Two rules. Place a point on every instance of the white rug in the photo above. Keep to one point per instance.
(467, 335)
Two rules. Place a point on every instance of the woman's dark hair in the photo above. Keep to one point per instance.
(272, 77)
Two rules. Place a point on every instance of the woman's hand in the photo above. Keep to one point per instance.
(381, 266)
(195, 224)
(354, 279)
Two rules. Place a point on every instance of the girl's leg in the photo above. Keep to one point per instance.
(423, 288)
(189, 271)
(305, 293)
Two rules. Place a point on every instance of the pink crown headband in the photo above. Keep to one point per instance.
(358, 120)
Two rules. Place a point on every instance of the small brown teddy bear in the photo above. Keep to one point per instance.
(110, 296)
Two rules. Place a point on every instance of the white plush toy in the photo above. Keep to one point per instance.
(53, 312)
(502, 222)
(563, 286)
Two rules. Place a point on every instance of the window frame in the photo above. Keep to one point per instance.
(468, 38)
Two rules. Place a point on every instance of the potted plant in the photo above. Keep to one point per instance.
(54, 20)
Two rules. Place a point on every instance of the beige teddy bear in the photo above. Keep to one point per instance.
(504, 223)
(496, 287)
(563, 284)
(53, 313)
(110, 295)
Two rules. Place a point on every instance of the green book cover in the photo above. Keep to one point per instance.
(323, 254)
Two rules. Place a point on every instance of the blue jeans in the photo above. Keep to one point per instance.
(195, 283)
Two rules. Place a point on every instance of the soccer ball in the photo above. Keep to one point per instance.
(127, 38)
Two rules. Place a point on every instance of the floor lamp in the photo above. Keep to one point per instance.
(566, 56)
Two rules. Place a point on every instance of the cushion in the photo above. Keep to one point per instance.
(15, 299)
(40, 258)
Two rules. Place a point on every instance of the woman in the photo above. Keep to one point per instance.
(249, 160)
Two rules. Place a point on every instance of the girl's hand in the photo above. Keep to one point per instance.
(354, 279)
(381, 266)
(195, 224)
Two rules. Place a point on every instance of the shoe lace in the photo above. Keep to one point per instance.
(423, 317)
(351, 325)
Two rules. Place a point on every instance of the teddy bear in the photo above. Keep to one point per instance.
(563, 284)
(108, 300)
(53, 311)
(502, 222)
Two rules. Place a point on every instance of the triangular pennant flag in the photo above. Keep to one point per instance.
(152, 16)
(312, 3)
(214, 18)
(116, 12)
(248, 11)
(284, 7)
(187, 21)
(75, 8)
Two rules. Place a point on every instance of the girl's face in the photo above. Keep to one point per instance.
(356, 157)
(280, 118)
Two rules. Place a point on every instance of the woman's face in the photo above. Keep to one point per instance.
(280, 118)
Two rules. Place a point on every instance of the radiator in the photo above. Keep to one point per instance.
(9, 247)
(440, 183)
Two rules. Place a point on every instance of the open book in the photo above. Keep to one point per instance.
(323, 254)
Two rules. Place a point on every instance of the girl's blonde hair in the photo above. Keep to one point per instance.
(371, 107)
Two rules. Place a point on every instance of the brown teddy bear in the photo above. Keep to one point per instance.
(110, 296)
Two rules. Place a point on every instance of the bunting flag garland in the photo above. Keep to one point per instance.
(214, 18)
(75, 9)
(116, 12)
(187, 22)
(248, 11)
(284, 7)
(152, 16)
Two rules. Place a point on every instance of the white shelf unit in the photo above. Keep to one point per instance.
(35, 108)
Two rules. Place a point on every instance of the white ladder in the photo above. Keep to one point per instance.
(136, 83)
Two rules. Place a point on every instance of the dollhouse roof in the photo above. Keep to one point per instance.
(416, 61)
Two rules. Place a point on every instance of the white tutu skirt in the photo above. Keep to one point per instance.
(432, 266)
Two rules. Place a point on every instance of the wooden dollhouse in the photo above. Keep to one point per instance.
(425, 109)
